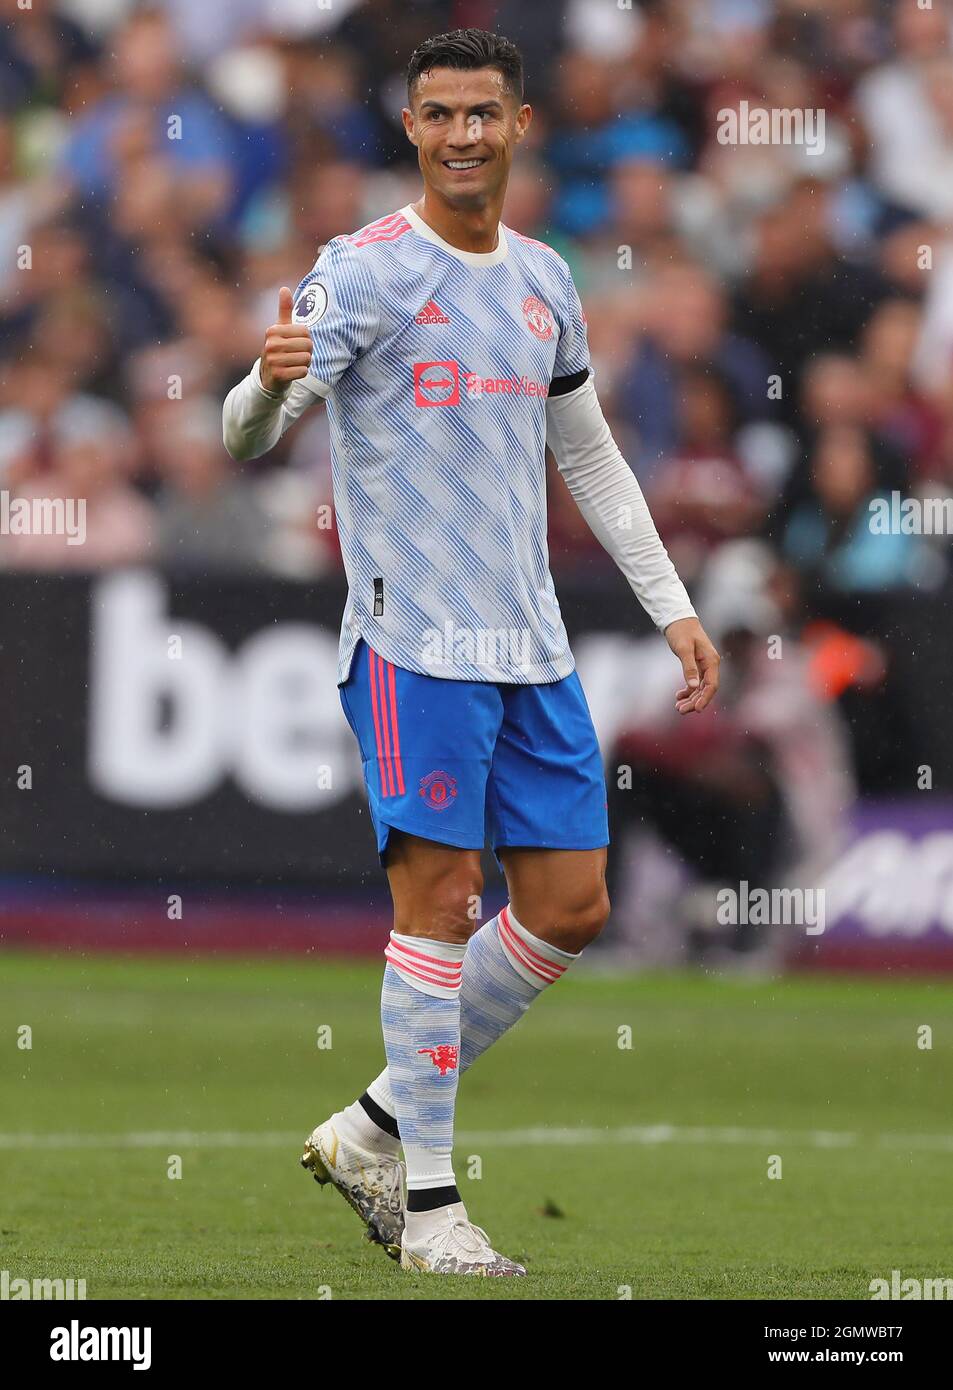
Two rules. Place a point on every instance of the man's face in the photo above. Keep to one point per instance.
(466, 126)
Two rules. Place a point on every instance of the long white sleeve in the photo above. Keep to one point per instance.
(253, 419)
(609, 497)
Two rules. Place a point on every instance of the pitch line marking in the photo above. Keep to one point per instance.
(644, 1135)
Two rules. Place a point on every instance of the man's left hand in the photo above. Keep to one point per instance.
(694, 649)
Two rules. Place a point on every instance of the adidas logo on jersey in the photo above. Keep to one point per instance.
(431, 313)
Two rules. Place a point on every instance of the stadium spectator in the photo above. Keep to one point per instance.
(905, 108)
(208, 518)
(771, 329)
(830, 537)
(146, 108)
(702, 495)
(89, 460)
(684, 318)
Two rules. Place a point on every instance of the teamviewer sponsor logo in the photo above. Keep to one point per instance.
(503, 385)
(436, 383)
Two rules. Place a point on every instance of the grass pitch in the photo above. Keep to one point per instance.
(655, 1179)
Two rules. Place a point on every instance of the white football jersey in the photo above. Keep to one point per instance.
(436, 364)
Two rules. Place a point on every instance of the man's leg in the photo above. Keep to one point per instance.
(427, 748)
(558, 904)
(431, 885)
(526, 762)
(357, 1149)
(546, 792)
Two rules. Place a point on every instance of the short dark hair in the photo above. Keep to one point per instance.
(468, 49)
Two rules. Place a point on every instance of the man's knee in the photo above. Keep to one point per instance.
(583, 925)
(440, 899)
(573, 924)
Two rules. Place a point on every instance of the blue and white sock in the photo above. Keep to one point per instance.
(504, 969)
(420, 1017)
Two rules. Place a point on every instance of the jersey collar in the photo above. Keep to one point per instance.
(468, 257)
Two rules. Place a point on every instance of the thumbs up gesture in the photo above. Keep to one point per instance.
(287, 350)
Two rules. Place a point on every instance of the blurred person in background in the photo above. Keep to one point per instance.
(719, 776)
(529, 197)
(150, 110)
(901, 414)
(334, 121)
(208, 517)
(835, 393)
(39, 59)
(155, 262)
(768, 777)
(26, 200)
(831, 541)
(702, 493)
(593, 131)
(331, 196)
(58, 262)
(661, 213)
(685, 324)
(801, 298)
(90, 459)
(60, 372)
(905, 108)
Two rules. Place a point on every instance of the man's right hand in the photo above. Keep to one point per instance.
(287, 351)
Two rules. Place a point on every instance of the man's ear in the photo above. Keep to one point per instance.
(407, 116)
(523, 118)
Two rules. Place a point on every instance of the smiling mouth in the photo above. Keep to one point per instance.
(462, 166)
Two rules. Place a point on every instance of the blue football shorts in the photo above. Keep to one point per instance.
(466, 762)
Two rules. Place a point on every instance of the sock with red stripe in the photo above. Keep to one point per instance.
(420, 1017)
(504, 969)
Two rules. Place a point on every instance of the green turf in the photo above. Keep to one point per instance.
(136, 1046)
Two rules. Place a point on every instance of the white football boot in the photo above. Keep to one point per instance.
(456, 1246)
(371, 1183)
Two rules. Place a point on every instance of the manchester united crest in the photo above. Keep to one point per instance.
(539, 319)
(438, 790)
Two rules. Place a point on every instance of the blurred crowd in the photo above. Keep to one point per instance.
(771, 325)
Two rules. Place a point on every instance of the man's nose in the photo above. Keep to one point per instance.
(464, 130)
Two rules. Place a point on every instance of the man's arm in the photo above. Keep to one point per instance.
(271, 397)
(609, 497)
(321, 330)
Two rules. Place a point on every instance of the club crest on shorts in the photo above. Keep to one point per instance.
(310, 305)
(438, 790)
(444, 1056)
